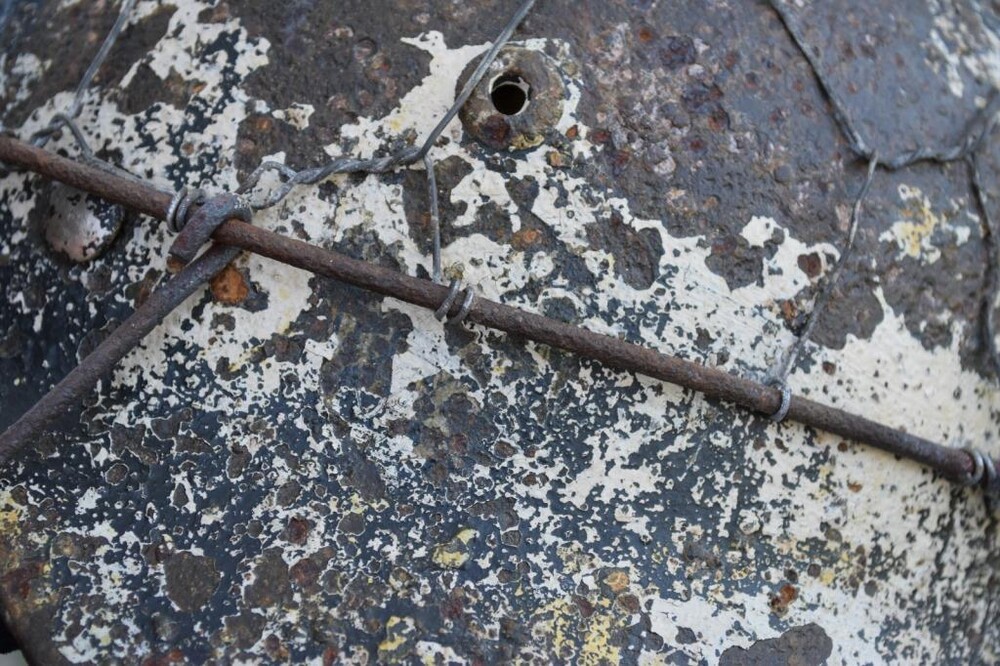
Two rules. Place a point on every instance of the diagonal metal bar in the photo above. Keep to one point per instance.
(96, 365)
(952, 463)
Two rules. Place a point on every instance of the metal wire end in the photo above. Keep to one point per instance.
(979, 467)
(463, 312)
(992, 487)
(448, 301)
(786, 403)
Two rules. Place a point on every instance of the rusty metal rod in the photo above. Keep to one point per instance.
(97, 364)
(952, 463)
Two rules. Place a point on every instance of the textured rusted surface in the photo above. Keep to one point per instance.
(98, 364)
(543, 108)
(318, 474)
(952, 463)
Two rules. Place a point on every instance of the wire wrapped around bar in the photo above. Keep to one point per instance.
(180, 207)
(984, 470)
(449, 301)
(786, 401)
(953, 463)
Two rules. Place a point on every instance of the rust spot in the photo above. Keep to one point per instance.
(586, 608)
(811, 264)
(174, 265)
(305, 572)
(781, 601)
(271, 585)
(175, 656)
(275, 649)
(628, 603)
(230, 287)
(646, 34)
(525, 238)
(854, 487)
(617, 581)
(18, 582)
(600, 136)
(789, 311)
(262, 123)
(572, 132)
(504, 449)
(718, 120)
(496, 131)
(297, 531)
(454, 606)
(191, 580)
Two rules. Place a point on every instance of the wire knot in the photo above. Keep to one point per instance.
(193, 233)
(984, 471)
(454, 290)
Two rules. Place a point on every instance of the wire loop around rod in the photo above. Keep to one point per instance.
(449, 301)
(979, 467)
(786, 399)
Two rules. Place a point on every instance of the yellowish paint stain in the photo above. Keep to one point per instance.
(913, 233)
(451, 555)
(581, 640)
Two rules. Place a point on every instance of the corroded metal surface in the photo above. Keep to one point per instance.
(305, 471)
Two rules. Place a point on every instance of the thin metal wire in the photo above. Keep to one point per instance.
(786, 403)
(404, 157)
(293, 178)
(477, 75)
(992, 241)
(318, 174)
(454, 289)
(449, 300)
(970, 142)
(432, 194)
(966, 148)
(42, 136)
(819, 305)
(953, 463)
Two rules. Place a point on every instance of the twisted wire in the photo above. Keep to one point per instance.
(42, 136)
(342, 165)
(966, 148)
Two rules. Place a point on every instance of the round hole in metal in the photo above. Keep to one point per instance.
(510, 94)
